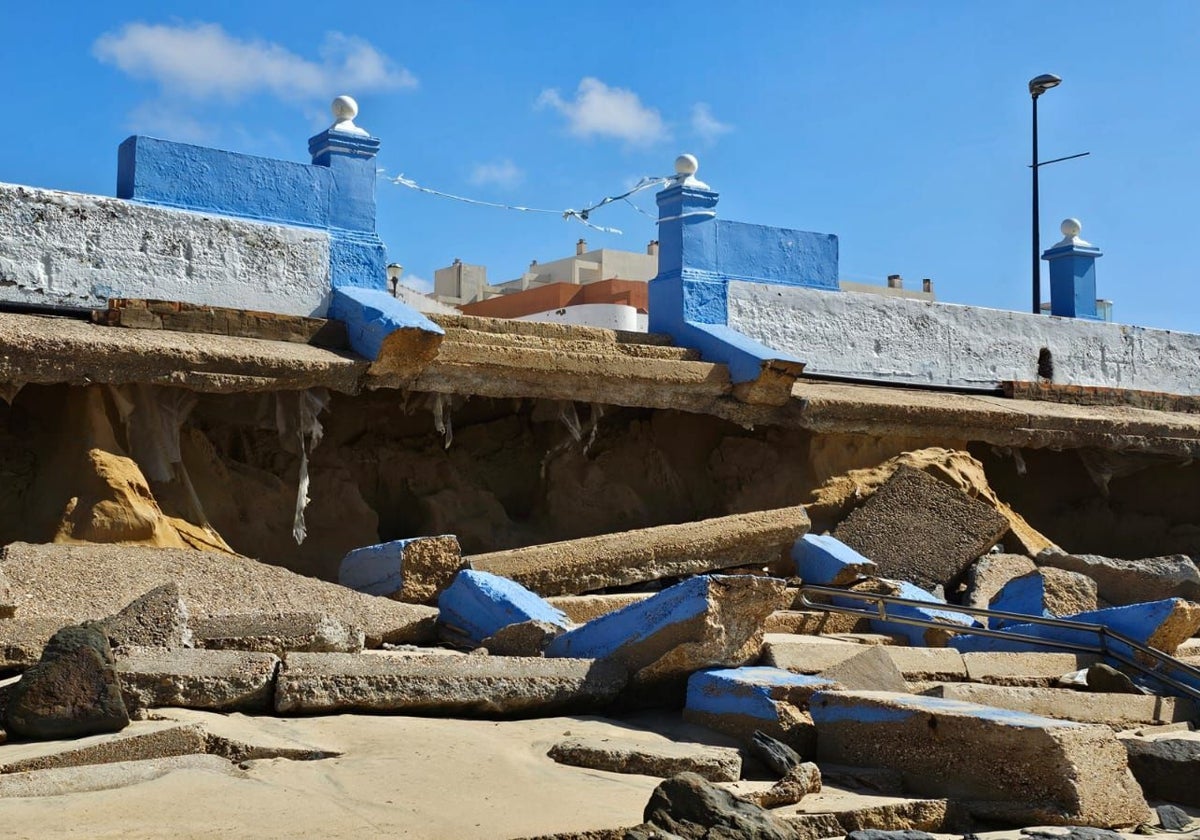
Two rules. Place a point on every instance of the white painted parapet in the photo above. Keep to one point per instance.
(869, 337)
(74, 250)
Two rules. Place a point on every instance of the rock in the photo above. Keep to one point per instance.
(157, 619)
(73, 690)
(82, 582)
(1173, 818)
(800, 781)
(761, 538)
(876, 834)
(1105, 678)
(1123, 582)
(1075, 832)
(987, 576)
(665, 759)
(277, 633)
(825, 561)
(219, 680)
(487, 686)
(778, 756)
(1029, 768)
(479, 604)
(871, 670)
(1166, 766)
(689, 807)
(915, 634)
(529, 638)
(919, 529)
(415, 570)
(704, 622)
(742, 701)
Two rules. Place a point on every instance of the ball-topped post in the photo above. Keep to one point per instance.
(345, 109)
(1072, 273)
(686, 166)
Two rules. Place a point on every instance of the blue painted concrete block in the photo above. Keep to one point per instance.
(378, 569)
(1140, 622)
(824, 560)
(371, 316)
(1025, 594)
(830, 708)
(915, 635)
(751, 692)
(478, 604)
(775, 255)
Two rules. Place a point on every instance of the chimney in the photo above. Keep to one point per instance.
(927, 286)
(895, 281)
(581, 247)
(652, 248)
(533, 263)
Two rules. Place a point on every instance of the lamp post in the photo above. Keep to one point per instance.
(1038, 86)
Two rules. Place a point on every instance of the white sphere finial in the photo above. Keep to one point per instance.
(1070, 228)
(345, 109)
(686, 165)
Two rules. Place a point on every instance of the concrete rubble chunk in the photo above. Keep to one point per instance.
(1120, 711)
(825, 561)
(659, 758)
(745, 701)
(1045, 592)
(1102, 677)
(157, 619)
(1166, 766)
(140, 740)
(801, 780)
(814, 654)
(687, 806)
(529, 638)
(1042, 668)
(1123, 582)
(91, 777)
(871, 670)
(82, 582)
(762, 538)
(238, 737)
(813, 622)
(22, 639)
(920, 529)
(938, 611)
(987, 576)
(704, 622)
(1162, 625)
(415, 570)
(479, 604)
(277, 633)
(71, 692)
(487, 686)
(8, 607)
(220, 680)
(1031, 769)
(581, 609)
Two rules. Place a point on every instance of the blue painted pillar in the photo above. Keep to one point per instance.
(1073, 274)
(357, 255)
(688, 287)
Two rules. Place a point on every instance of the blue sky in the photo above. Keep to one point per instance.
(901, 127)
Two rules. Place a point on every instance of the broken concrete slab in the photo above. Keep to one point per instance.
(1119, 711)
(797, 783)
(583, 608)
(1123, 582)
(1160, 624)
(742, 701)
(1042, 668)
(938, 611)
(415, 570)
(871, 670)
(987, 576)
(919, 529)
(813, 622)
(22, 640)
(529, 638)
(1034, 769)
(277, 633)
(657, 758)
(220, 680)
(761, 538)
(157, 619)
(82, 582)
(72, 691)
(140, 740)
(478, 604)
(491, 686)
(823, 560)
(704, 622)
(63, 780)
(1166, 765)
(814, 654)
(836, 811)
(238, 737)
(1045, 592)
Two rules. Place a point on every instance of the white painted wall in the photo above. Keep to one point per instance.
(896, 340)
(613, 316)
(77, 250)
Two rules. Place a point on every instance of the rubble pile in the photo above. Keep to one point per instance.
(742, 703)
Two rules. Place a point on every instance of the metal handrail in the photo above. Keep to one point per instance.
(1103, 634)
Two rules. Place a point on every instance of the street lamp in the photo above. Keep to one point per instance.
(1037, 86)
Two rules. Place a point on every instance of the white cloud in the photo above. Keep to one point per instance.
(602, 111)
(501, 173)
(707, 127)
(202, 61)
(417, 283)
